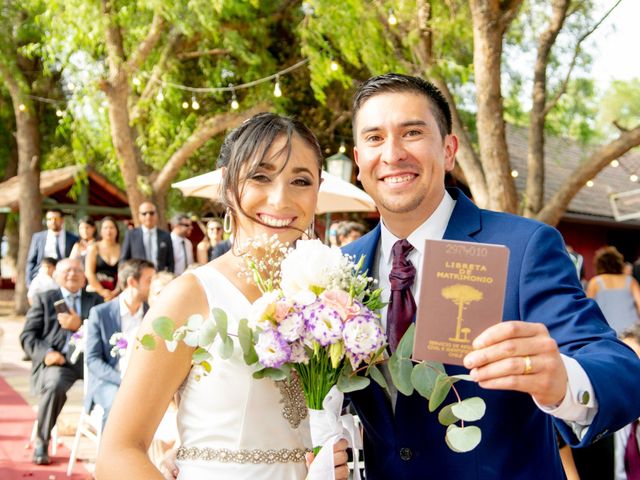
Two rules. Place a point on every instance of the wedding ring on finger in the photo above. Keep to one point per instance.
(528, 367)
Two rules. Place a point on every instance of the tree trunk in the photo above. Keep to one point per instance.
(490, 20)
(557, 206)
(11, 169)
(534, 196)
(29, 200)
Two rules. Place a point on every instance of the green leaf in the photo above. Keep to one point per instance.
(148, 342)
(446, 416)
(439, 366)
(463, 439)
(226, 348)
(273, 373)
(200, 355)
(469, 409)
(208, 333)
(245, 337)
(440, 391)
(351, 382)
(378, 377)
(405, 347)
(164, 327)
(423, 379)
(220, 317)
(400, 369)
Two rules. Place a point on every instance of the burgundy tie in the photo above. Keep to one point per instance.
(632, 454)
(402, 306)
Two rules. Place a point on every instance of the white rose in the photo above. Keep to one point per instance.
(311, 264)
(263, 309)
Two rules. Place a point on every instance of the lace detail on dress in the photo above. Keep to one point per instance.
(225, 455)
(294, 409)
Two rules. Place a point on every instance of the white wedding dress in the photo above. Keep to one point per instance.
(231, 425)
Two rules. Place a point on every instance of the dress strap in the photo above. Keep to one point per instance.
(600, 282)
(627, 283)
(208, 278)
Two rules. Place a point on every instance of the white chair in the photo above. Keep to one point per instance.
(54, 436)
(357, 454)
(89, 425)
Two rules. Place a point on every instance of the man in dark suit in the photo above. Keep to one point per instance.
(552, 361)
(54, 242)
(123, 315)
(148, 241)
(45, 338)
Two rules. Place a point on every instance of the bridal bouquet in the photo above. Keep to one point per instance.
(79, 341)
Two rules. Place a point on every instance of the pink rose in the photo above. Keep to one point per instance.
(341, 302)
(283, 307)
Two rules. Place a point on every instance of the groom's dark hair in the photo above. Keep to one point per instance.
(398, 83)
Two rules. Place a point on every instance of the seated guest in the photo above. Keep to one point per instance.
(123, 314)
(43, 281)
(50, 322)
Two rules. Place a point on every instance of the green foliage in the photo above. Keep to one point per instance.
(620, 104)
(463, 439)
(164, 327)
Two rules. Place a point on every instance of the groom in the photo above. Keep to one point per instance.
(552, 361)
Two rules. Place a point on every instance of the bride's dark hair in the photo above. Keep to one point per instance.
(245, 149)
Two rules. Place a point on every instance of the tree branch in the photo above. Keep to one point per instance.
(599, 159)
(563, 86)
(147, 45)
(209, 128)
(205, 53)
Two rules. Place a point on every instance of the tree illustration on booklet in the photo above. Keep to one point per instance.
(462, 296)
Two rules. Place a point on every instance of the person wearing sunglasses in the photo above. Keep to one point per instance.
(148, 241)
(213, 239)
(181, 228)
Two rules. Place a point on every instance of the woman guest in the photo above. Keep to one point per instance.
(101, 265)
(204, 249)
(617, 294)
(87, 234)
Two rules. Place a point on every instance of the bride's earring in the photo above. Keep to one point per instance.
(227, 223)
(310, 232)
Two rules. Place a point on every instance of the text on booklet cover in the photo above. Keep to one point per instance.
(461, 295)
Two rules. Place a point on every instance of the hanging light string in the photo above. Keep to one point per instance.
(228, 88)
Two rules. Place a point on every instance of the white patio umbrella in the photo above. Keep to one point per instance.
(336, 195)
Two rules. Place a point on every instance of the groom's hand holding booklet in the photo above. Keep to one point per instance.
(461, 295)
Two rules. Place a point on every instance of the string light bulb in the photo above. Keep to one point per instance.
(71, 86)
(590, 183)
(514, 173)
(342, 148)
(234, 101)
(59, 113)
(334, 66)
(185, 105)
(21, 107)
(194, 103)
(392, 18)
(615, 163)
(160, 96)
(136, 81)
(277, 91)
(633, 177)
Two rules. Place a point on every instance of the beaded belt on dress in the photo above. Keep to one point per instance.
(224, 455)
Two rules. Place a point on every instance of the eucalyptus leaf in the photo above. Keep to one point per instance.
(273, 373)
(461, 439)
(226, 348)
(440, 391)
(469, 409)
(405, 347)
(423, 379)
(148, 342)
(351, 382)
(164, 327)
(400, 369)
(439, 366)
(220, 318)
(245, 336)
(200, 355)
(208, 333)
(378, 377)
(446, 416)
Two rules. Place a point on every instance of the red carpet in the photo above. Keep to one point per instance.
(16, 422)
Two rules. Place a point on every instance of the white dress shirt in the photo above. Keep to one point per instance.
(180, 261)
(150, 241)
(129, 323)
(50, 244)
(575, 414)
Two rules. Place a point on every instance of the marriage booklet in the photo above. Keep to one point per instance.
(461, 295)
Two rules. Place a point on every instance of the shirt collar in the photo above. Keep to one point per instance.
(66, 293)
(124, 309)
(149, 230)
(433, 228)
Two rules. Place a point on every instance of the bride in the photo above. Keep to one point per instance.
(231, 425)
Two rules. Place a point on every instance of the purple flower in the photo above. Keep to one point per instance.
(273, 351)
(77, 335)
(323, 323)
(122, 344)
(291, 327)
(362, 337)
(298, 353)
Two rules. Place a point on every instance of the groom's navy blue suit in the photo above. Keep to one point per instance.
(518, 439)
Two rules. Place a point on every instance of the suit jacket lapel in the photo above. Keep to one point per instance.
(465, 218)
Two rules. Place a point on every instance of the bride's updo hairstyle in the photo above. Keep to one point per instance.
(245, 149)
